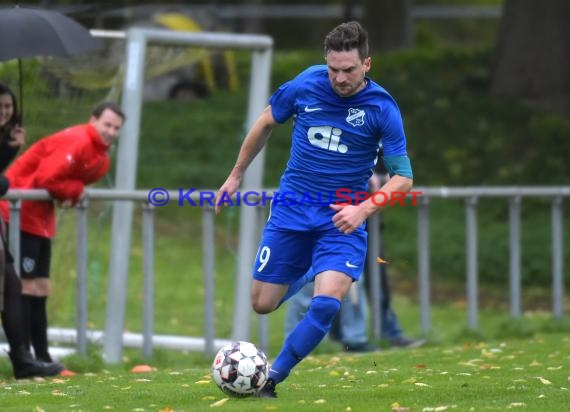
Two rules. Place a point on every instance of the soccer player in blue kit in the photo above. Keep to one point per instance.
(340, 118)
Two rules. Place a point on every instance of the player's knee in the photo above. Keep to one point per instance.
(323, 309)
(262, 306)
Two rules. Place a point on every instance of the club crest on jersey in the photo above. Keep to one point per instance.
(355, 117)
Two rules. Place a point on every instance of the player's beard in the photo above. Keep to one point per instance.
(347, 89)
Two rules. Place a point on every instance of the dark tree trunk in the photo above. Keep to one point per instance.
(532, 56)
(389, 24)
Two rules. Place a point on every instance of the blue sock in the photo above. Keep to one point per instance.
(306, 336)
(297, 285)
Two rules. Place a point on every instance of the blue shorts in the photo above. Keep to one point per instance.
(297, 237)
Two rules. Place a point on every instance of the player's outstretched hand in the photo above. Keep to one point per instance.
(348, 218)
(225, 192)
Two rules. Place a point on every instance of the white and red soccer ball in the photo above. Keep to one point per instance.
(240, 369)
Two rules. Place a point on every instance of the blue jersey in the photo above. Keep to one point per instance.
(335, 140)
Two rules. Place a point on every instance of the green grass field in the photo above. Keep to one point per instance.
(527, 374)
(505, 364)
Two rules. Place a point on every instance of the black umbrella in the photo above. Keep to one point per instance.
(28, 32)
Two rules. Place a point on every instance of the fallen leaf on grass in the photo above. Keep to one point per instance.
(421, 384)
(397, 408)
(221, 402)
(142, 369)
(544, 381)
(380, 260)
(319, 401)
(203, 382)
(489, 366)
(517, 405)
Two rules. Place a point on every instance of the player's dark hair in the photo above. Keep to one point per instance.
(346, 37)
(114, 107)
(16, 115)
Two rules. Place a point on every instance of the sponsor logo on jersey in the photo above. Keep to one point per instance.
(326, 137)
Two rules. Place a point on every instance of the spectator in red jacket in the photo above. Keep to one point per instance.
(12, 138)
(63, 164)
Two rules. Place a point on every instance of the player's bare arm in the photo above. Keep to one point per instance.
(254, 141)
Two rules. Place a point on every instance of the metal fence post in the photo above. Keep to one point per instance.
(373, 272)
(14, 232)
(472, 269)
(148, 277)
(515, 255)
(81, 299)
(208, 244)
(424, 263)
(557, 258)
(262, 320)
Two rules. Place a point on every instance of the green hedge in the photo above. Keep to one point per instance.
(458, 135)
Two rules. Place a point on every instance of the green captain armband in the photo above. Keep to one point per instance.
(398, 165)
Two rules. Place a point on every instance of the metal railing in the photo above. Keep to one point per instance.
(471, 195)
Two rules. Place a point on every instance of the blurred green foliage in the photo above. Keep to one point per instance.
(457, 135)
